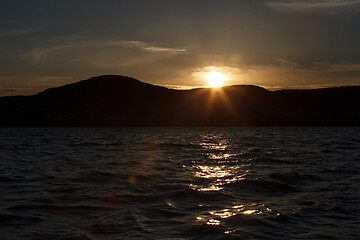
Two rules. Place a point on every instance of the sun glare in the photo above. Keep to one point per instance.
(215, 79)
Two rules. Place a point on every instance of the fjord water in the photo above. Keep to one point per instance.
(180, 183)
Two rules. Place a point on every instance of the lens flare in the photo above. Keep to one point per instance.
(215, 79)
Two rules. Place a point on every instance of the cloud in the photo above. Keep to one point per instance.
(97, 45)
(310, 5)
(88, 55)
(8, 92)
(19, 32)
(291, 75)
(40, 53)
(180, 87)
(283, 74)
(27, 85)
(147, 46)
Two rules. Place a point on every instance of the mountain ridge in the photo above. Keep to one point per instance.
(113, 100)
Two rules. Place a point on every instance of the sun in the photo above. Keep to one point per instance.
(215, 79)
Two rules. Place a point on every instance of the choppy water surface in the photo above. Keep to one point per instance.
(180, 183)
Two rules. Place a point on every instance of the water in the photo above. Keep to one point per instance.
(180, 183)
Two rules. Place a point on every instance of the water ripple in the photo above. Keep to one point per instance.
(179, 183)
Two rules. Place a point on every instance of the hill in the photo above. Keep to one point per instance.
(122, 101)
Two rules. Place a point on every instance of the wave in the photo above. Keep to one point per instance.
(101, 176)
(198, 183)
(277, 161)
(168, 146)
(90, 144)
(261, 185)
(188, 193)
(12, 220)
(295, 177)
(81, 208)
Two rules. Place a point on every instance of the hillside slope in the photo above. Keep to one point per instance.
(122, 101)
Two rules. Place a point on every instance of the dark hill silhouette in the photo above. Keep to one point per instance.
(122, 101)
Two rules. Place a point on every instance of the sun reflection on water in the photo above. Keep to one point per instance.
(214, 217)
(205, 189)
(213, 222)
(218, 175)
(220, 156)
(212, 172)
(214, 146)
(220, 166)
(241, 209)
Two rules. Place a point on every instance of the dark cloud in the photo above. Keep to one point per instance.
(164, 42)
(9, 92)
(324, 6)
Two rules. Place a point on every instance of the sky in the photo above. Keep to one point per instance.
(276, 44)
